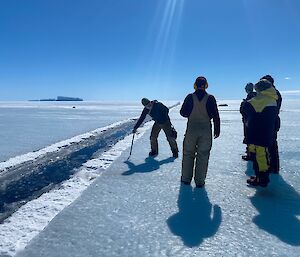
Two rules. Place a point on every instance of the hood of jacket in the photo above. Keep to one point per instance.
(264, 99)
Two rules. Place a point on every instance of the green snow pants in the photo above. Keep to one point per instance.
(196, 145)
(167, 128)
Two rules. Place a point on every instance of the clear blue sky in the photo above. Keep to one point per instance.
(128, 49)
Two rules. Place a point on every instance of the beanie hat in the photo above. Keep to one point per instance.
(269, 78)
(262, 85)
(249, 87)
(145, 101)
(200, 83)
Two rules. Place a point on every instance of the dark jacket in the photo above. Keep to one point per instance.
(211, 106)
(250, 95)
(260, 114)
(279, 101)
(158, 111)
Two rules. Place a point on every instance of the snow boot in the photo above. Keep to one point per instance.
(253, 181)
(175, 154)
(200, 186)
(246, 157)
(264, 179)
(185, 182)
(153, 153)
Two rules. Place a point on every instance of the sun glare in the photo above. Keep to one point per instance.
(168, 19)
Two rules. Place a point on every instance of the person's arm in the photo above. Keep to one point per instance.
(187, 106)
(279, 100)
(248, 110)
(141, 119)
(213, 112)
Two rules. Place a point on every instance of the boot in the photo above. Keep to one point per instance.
(253, 181)
(185, 182)
(200, 185)
(264, 179)
(246, 157)
(153, 153)
(175, 154)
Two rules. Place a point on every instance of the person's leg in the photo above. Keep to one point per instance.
(252, 152)
(167, 127)
(204, 144)
(262, 157)
(260, 166)
(274, 157)
(153, 138)
(188, 159)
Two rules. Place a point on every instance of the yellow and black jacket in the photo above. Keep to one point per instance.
(260, 116)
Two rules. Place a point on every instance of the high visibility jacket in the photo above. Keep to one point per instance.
(260, 115)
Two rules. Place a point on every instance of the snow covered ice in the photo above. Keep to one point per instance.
(139, 208)
(30, 126)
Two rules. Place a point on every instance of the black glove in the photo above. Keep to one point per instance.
(216, 134)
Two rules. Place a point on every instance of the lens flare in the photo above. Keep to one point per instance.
(164, 33)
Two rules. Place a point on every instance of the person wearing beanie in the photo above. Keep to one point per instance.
(273, 149)
(249, 90)
(261, 112)
(160, 114)
(250, 94)
(199, 107)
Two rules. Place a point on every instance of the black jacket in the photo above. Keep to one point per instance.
(250, 95)
(211, 106)
(279, 101)
(159, 113)
(260, 115)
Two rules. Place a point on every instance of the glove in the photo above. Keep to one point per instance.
(216, 135)
(134, 131)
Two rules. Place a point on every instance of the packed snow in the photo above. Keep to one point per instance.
(138, 207)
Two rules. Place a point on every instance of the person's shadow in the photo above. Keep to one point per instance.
(149, 165)
(195, 220)
(278, 206)
(249, 170)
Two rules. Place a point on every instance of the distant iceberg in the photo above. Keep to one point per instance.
(60, 98)
(66, 98)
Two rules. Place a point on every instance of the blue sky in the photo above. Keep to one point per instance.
(128, 49)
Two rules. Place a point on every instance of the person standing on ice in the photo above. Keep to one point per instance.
(160, 114)
(250, 94)
(273, 149)
(261, 112)
(199, 107)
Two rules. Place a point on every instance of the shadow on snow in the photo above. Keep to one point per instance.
(195, 220)
(278, 206)
(249, 171)
(149, 165)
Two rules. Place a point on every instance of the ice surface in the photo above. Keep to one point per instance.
(30, 219)
(30, 126)
(139, 208)
(54, 147)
